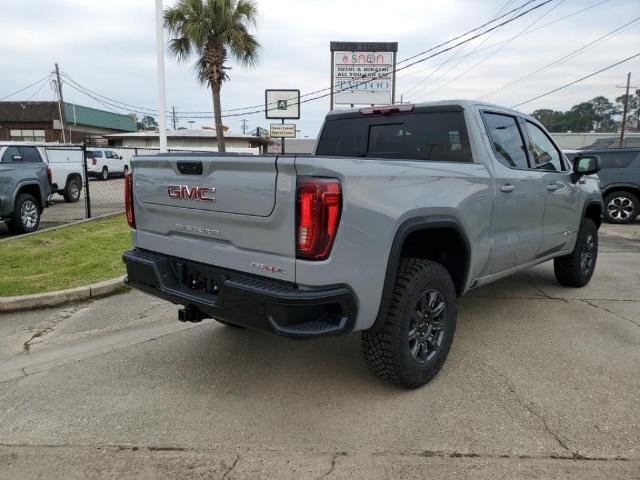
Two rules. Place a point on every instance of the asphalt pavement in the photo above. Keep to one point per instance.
(542, 382)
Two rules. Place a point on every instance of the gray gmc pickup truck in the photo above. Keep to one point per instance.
(401, 210)
(25, 186)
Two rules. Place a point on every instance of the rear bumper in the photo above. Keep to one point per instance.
(242, 299)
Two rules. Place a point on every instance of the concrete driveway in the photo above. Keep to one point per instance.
(542, 382)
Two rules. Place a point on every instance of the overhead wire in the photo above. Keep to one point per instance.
(609, 67)
(494, 52)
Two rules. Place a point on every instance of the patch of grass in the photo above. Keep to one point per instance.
(65, 258)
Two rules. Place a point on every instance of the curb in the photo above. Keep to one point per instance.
(60, 297)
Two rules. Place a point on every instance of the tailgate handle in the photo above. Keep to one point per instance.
(190, 168)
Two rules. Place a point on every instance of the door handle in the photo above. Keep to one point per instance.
(507, 188)
(552, 187)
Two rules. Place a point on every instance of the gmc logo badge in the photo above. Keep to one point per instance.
(185, 192)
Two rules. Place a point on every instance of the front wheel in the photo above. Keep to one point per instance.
(621, 207)
(576, 269)
(411, 346)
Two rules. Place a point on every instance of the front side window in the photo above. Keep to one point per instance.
(544, 153)
(506, 137)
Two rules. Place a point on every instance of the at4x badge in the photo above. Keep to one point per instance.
(268, 268)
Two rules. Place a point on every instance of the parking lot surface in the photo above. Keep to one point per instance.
(542, 382)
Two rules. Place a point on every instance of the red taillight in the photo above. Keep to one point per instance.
(387, 109)
(128, 199)
(50, 175)
(93, 162)
(318, 213)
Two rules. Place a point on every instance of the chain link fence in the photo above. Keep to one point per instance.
(86, 181)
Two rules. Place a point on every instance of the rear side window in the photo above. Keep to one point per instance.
(507, 140)
(30, 155)
(428, 136)
(108, 154)
(94, 154)
(612, 160)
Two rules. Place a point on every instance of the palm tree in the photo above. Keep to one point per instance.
(213, 29)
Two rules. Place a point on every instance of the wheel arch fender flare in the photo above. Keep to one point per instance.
(408, 227)
(29, 183)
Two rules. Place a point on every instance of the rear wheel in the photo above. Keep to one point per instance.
(576, 269)
(26, 215)
(104, 174)
(621, 207)
(73, 189)
(411, 346)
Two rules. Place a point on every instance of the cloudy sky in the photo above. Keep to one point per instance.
(108, 46)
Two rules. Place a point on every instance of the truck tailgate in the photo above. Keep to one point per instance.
(235, 212)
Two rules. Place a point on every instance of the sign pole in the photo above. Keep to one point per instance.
(282, 139)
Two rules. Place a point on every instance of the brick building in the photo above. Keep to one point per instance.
(41, 122)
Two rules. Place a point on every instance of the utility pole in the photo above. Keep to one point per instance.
(60, 103)
(244, 125)
(173, 117)
(625, 109)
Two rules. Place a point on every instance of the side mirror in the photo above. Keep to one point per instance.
(585, 165)
(16, 158)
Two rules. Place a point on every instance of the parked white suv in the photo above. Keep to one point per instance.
(102, 162)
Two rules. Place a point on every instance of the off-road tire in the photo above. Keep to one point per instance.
(72, 190)
(625, 211)
(17, 226)
(386, 347)
(570, 270)
(104, 174)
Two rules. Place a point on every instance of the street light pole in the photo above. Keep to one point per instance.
(162, 134)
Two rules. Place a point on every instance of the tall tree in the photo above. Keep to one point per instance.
(603, 110)
(212, 30)
(147, 123)
(633, 112)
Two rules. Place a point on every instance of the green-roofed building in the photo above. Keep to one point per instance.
(41, 122)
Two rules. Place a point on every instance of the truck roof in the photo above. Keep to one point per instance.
(459, 103)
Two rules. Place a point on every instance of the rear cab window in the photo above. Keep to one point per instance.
(94, 154)
(426, 134)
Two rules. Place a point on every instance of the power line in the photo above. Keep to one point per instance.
(416, 85)
(38, 90)
(577, 81)
(568, 55)
(117, 104)
(416, 62)
(572, 14)
(26, 88)
(103, 100)
(491, 54)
